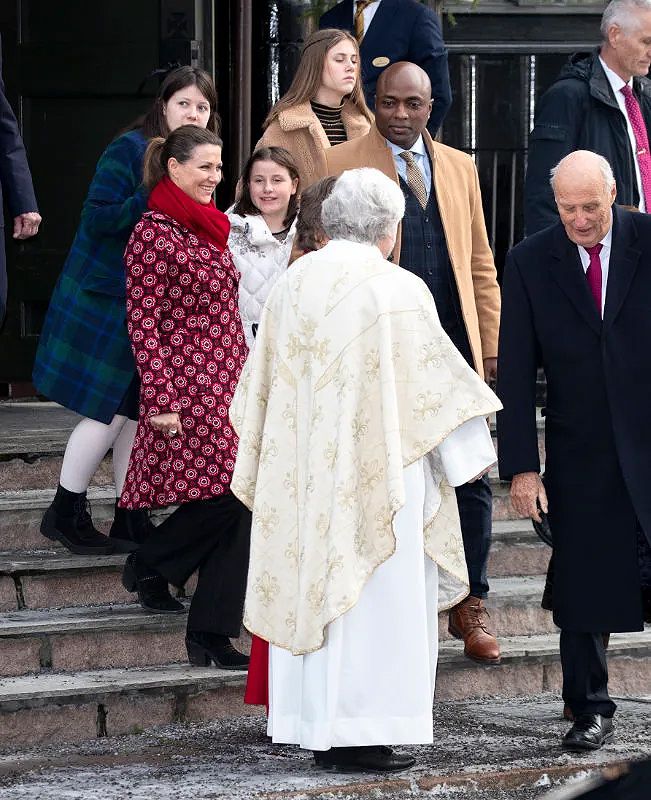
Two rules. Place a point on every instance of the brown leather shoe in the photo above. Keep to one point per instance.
(469, 621)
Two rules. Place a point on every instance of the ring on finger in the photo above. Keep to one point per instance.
(173, 431)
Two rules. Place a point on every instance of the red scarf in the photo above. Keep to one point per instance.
(206, 221)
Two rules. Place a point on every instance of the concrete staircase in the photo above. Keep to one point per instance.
(78, 659)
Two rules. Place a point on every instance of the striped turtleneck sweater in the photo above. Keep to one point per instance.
(330, 118)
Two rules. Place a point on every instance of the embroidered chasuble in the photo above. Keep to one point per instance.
(351, 379)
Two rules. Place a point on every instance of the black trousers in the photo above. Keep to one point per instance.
(585, 674)
(475, 501)
(211, 536)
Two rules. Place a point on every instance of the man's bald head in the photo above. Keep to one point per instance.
(405, 69)
(403, 103)
(584, 189)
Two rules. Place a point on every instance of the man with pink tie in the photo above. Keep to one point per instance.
(600, 103)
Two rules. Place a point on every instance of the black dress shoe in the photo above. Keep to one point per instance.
(130, 528)
(153, 590)
(75, 530)
(206, 648)
(377, 758)
(589, 732)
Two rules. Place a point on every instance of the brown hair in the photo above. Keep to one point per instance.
(309, 229)
(154, 123)
(307, 79)
(284, 159)
(180, 144)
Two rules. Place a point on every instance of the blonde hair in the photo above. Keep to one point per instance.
(307, 79)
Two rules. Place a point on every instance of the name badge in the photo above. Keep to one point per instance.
(381, 61)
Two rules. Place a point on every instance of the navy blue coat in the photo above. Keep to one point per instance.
(401, 30)
(15, 180)
(597, 424)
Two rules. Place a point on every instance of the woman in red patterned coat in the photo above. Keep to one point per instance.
(189, 348)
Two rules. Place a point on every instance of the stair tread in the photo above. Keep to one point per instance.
(543, 644)
(54, 561)
(40, 499)
(53, 686)
(35, 427)
(57, 686)
(85, 618)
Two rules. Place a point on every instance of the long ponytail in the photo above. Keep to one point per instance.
(153, 169)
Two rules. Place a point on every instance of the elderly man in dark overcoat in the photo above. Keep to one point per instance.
(576, 299)
(15, 185)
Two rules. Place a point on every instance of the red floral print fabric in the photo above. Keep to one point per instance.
(189, 347)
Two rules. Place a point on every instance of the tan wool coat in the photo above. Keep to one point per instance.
(298, 130)
(459, 199)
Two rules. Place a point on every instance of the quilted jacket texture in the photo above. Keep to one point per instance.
(260, 260)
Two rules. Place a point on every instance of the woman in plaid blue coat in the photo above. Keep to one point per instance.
(84, 360)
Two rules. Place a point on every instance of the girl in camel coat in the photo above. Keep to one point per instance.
(324, 105)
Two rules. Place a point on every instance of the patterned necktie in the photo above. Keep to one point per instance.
(639, 130)
(359, 19)
(415, 179)
(593, 274)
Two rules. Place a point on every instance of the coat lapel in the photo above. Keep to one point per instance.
(624, 258)
(382, 22)
(566, 269)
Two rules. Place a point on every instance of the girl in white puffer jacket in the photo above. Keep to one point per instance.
(263, 223)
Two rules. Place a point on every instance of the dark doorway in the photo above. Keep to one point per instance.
(77, 73)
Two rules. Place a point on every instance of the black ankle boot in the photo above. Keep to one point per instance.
(130, 528)
(205, 648)
(153, 591)
(68, 521)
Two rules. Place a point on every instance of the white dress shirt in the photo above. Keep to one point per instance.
(368, 12)
(421, 157)
(616, 84)
(604, 257)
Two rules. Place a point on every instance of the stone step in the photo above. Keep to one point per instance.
(47, 579)
(516, 550)
(21, 512)
(79, 706)
(89, 638)
(58, 579)
(124, 635)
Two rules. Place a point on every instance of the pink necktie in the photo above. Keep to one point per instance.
(639, 130)
(593, 274)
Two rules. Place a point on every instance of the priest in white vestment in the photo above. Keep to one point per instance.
(357, 417)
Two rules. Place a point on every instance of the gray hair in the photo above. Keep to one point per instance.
(622, 14)
(604, 168)
(364, 207)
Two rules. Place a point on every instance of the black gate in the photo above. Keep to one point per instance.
(502, 57)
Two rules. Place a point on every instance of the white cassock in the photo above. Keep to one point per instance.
(373, 680)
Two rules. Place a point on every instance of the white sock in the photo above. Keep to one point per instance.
(89, 442)
(122, 453)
